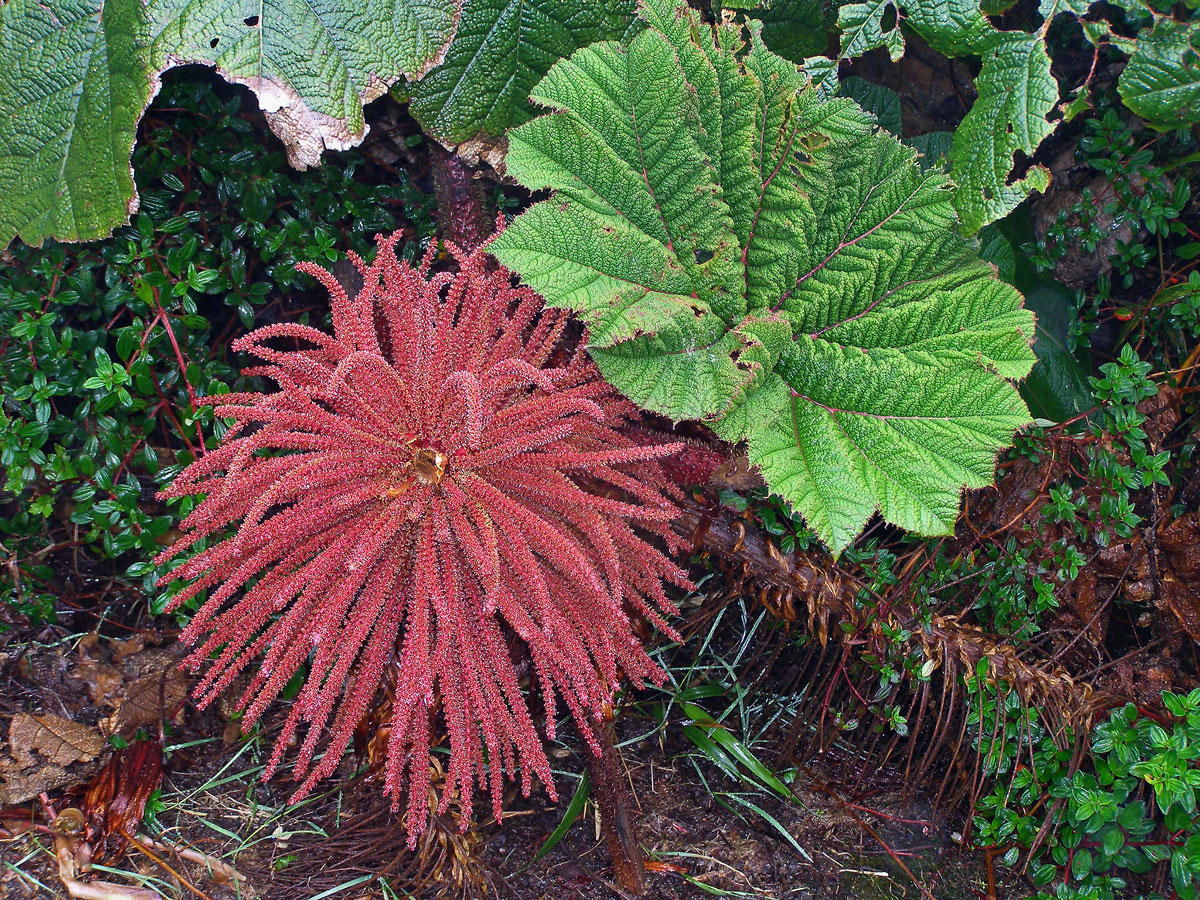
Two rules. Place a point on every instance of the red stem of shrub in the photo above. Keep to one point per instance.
(461, 208)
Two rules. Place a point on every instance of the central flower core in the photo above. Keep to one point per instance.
(426, 466)
(429, 465)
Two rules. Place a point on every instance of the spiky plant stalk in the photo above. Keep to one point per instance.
(414, 492)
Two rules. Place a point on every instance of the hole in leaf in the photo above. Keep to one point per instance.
(1021, 166)
(989, 194)
(213, 43)
(1009, 127)
(888, 20)
(251, 20)
(703, 256)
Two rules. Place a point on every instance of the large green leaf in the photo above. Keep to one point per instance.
(501, 50)
(952, 27)
(746, 254)
(312, 63)
(76, 76)
(1162, 81)
(73, 84)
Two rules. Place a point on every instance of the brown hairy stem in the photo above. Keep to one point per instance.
(789, 583)
(461, 209)
(612, 796)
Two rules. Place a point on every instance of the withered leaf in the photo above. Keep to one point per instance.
(1179, 591)
(116, 798)
(59, 740)
(148, 698)
(102, 680)
(127, 647)
(19, 784)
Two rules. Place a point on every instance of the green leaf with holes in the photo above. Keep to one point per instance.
(501, 50)
(871, 24)
(795, 29)
(746, 254)
(1017, 92)
(1162, 81)
(312, 63)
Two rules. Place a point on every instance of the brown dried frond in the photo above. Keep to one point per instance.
(446, 863)
(958, 648)
(115, 799)
(811, 589)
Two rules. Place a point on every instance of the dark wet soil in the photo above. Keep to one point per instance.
(696, 842)
(696, 846)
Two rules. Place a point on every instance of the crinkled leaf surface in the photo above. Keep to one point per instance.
(76, 76)
(870, 24)
(996, 249)
(73, 84)
(1162, 81)
(776, 265)
(881, 102)
(312, 63)
(795, 29)
(1016, 94)
(933, 149)
(501, 50)
(1016, 91)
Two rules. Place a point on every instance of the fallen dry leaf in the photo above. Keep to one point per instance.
(59, 740)
(1179, 591)
(19, 784)
(1162, 415)
(153, 696)
(127, 647)
(102, 680)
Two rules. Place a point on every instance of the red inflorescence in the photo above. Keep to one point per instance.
(433, 486)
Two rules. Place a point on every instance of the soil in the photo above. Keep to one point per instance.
(696, 840)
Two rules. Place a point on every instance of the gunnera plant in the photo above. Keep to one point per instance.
(751, 253)
(440, 487)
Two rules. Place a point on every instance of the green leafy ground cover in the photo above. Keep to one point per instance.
(106, 346)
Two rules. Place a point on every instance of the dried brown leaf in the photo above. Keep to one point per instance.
(19, 785)
(127, 647)
(1179, 578)
(59, 740)
(103, 680)
(1162, 415)
(148, 699)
